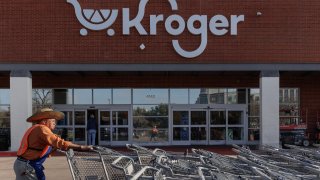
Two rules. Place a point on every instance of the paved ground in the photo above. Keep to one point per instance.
(56, 168)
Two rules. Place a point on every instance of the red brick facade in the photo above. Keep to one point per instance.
(47, 31)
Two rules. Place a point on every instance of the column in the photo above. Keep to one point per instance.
(269, 108)
(20, 105)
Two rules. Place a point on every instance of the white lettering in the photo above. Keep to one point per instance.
(181, 25)
(136, 22)
(218, 25)
(154, 19)
(234, 23)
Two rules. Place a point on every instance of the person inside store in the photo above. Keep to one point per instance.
(38, 143)
(154, 133)
(91, 128)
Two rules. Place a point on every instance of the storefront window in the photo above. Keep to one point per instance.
(150, 110)
(41, 98)
(121, 96)
(236, 96)
(179, 96)
(217, 96)
(82, 96)
(102, 96)
(253, 114)
(150, 96)
(198, 96)
(62, 96)
(5, 138)
(290, 112)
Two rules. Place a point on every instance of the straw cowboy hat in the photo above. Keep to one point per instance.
(46, 113)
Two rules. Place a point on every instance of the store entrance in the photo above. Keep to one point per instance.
(103, 125)
(210, 125)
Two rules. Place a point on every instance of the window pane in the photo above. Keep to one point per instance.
(104, 117)
(254, 96)
(198, 96)
(181, 134)
(144, 135)
(218, 118)
(236, 96)
(235, 133)
(80, 134)
(79, 118)
(198, 117)
(4, 96)
(254, 122)
(198, 133)
(217, 133)
(150, 96)
(149, 122)
(42, 98)
(65, 133)
(180, 117)
(217, 96)
(179, 96)
(150, 110)
(120, 117)
(254, 135)
(120, 134)
(121, 96)
(62, 96)
(68, 119)
(105, 134)
(235, 117)
(82, 96)
(102, 96)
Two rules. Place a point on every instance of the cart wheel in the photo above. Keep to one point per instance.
(305, 143)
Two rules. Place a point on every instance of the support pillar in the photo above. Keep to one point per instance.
(269, 108)
(20, 105)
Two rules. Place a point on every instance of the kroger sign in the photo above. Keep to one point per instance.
(102, 19)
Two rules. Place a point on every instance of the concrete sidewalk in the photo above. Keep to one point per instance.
(56, 168)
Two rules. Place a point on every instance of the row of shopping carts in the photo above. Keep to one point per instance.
(144, 163)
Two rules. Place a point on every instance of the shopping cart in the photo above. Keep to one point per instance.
(94, 19)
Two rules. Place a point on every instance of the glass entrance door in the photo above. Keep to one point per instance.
(209, 125)
(114, 126)
(80, 126)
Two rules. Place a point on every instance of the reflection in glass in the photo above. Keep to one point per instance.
(150, 96)
(102, 96)
(198, 117)
(64, 133)
(120, 117)
(4, 96)
(194, 96)
(104, 117)
(149, 122)
(80, 134)
(254, 96)
(68, 119)
(217, 133)
(180, 117)
(235, 133)
(121, 96)
(218, 117)
(236, 96)
(150, 110)
(235, 117)
(254, 135)
(105, 134)
(143, 135)
(179, 96)
(198, 133)
(120, 134)
(4, 116)
(82, 96)
(79, 117)
(180, 133)
(62, 96)
(41, 98)
(254, 122)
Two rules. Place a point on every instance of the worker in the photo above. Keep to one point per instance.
(38, 143)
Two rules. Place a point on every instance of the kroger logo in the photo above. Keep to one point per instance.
(102, 19)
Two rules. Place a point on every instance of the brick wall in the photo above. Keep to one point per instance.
(47, 31)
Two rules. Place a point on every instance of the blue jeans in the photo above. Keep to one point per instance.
(92, 136)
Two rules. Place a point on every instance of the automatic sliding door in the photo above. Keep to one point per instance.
(180, 127)
(80, 122)
(217, 126)
(120, 127)
(235, 124)
(198, 126)
(104, 127)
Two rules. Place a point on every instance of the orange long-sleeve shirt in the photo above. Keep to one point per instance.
(39, 138)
